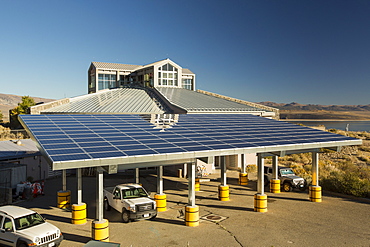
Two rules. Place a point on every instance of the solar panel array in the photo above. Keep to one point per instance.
(83, 137)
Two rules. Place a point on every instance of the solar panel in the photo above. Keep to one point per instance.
(82, 137)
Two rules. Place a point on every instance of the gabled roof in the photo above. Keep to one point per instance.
(132, 67)
(116, 66)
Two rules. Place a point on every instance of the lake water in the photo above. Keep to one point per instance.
(352, 125)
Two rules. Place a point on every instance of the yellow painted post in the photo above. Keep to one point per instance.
(79, 214)
(275, 185)
(260, 203)
(161, 202)
(315, 193)
(243, 178)
(192, 216)
(197, 184)
(64, 199)
(100, 230)
(223, 193)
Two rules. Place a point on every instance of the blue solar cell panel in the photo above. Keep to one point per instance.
(100, 136)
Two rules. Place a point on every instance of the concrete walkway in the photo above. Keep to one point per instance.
(291, 219)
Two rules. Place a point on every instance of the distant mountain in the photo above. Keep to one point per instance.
(9, 101)
(294, 106)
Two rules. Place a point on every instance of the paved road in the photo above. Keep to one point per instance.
(291, 219)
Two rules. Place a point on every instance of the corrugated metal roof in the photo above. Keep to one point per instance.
(194, 102)
(17, 149)
(119, 100)
(116, 66)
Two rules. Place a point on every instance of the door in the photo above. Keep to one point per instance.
(7, 232)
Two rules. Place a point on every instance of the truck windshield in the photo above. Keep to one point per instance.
(28, 221)
(286, 172)
(133, 193)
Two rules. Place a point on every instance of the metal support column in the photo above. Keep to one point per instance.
(223, 171)
(100, 226)
(137, 175)
(160, 180)
(275, 167)
(260, 199)
(315, 169)
(79, 186)
(64, 180)
(191, 184)
(243, 164)
(191, 210)
(275, 181)
(99, 194)
(315, 189)
(223, 188)
(260, 182)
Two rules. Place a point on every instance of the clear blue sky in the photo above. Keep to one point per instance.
(315, 52)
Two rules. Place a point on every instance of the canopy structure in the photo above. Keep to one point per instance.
(78, 141)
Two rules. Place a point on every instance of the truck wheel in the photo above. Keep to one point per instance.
(125, 216)
(287, 187)
(106, 205)
(266, 181)
(22, 245)
(153, 217)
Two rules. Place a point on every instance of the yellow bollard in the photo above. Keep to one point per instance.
(100, 230)
(79, 214)
(64, 199)
(315, 193)
(192, 216)
(223, 193)
(197, 184)
(260, 203)
(243, 178)
(275, 185)
(161, 202)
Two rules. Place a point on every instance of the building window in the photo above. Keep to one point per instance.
(106, 81)
(168, 76)
(187, 84)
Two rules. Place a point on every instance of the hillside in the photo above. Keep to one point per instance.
(338, 112)
(9, 101)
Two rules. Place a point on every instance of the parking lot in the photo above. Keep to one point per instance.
(291, 219)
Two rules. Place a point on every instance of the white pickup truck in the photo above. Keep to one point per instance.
(131, 200)
(21, 227)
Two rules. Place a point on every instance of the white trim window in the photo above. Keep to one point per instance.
(168, 76)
